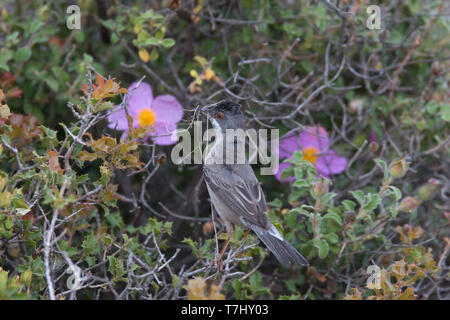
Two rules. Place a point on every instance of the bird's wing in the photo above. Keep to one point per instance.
(242, 194)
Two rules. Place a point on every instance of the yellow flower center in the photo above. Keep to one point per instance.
(146, 117)
(310, 154)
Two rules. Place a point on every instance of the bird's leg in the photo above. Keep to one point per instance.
(219, 259)
(243, 241)
(246, 235)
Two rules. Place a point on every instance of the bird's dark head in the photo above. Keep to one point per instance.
(225, 115)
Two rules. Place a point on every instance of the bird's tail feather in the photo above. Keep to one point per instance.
(281, 249)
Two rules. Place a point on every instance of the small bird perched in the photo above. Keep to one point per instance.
(235, 191)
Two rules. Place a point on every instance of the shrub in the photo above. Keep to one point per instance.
(86, 213)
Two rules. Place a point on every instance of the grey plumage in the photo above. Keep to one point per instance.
(281, 249)
(237, 196)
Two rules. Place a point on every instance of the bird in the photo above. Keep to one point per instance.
(235, 192)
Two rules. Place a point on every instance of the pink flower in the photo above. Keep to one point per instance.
(161, 113)
(314, 143)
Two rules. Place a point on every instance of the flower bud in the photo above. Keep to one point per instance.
(427, 191)
(160, 158)
(398, 168)
(13, 250)
(373, 146)
(386, 259)
(14, 93)
(26, 276)
(355, 106)
(208, 227)
(4, 14)
(417, 41)
(437, 68)
(447, 215)
(44, 13)
(349, 217)
(409, 204)
(320, 188)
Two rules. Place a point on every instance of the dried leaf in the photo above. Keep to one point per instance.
(197, 290)
(53, 162)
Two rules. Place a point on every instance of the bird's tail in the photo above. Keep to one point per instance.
(281, 249)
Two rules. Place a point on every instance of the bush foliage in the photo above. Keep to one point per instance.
(86, 215)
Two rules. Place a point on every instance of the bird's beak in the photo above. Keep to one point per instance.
(204, 111)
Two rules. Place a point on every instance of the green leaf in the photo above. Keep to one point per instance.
(276, 203)
(247, 4)
(5, 56)
(322, 246)
(414, 6)
(20, 205)
(107, 240)
(107, 105)
(255, 281)
(117, 269)
(115, 220)
(144, 40)
(297, 157)
(349, 205)
(13, 37)
(306, 65)
(432, 107)
(300, 183)
(175, 281)
(114, 38)
(371, 202)
(90, 245)
(287, 172)
(358, 195)
(194, 246)
(49, 132)
(291, 297)
(167, 43)
(384, 166)
(327, 199)
(303, 211)
(34, 26)
(334, 216)
(445, 112)
(64, 246)
(109, 24)
(52, 83)
(22, 54)
(154, 54)
(331, 237)
(237, 287)
(160, 34)
(90, 260)
(396, 193)
(291, 218)
(86, 156)
(201, 60)
(397, 34)
(149, 14)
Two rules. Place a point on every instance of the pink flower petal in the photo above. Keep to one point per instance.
(117, 120)
(288, 145)
(164, 134)
(140, 97)
(330, 163)
(167, 109)
(124, 135)
(278, 172)
(314, 137)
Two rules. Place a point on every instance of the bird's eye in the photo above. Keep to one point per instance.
(220, 115)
